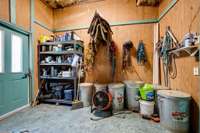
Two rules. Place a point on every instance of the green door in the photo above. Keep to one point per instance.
(14, 90)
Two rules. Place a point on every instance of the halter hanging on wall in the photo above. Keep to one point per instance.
(126, 61)
(100, 33)
(141, 55)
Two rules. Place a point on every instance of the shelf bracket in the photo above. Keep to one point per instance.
(195, 52)
(188, 51)
(177, 53)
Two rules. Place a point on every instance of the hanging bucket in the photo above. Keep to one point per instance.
(174, 109)
(68, 94)
(117, 91)
(132, 90)
(86, 93)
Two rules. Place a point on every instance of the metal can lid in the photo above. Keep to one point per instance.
(173, 94)
(140, 83)
(86, 84)
(116, 86)
(100, 85)
(130, 83)
(160, 87)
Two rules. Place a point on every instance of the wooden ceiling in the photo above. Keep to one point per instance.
(147, 2)
(65, 3)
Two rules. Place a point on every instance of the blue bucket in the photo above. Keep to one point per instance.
(68, 95)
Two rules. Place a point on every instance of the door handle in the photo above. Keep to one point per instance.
(26, 75)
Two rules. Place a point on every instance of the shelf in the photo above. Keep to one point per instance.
(191, 50)
(76, 48)
(60, 53)
(57, 101)
(55, 64)
(65, 78)
(65, 42)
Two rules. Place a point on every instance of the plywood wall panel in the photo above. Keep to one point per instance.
(23, 14)
(162, 5)
(44, 14)
(4, 10)
(111, 10)
(179, 19)
(102, 69)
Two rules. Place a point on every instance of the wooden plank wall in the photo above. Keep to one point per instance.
(4, 10)
(179, 19)
(22, 12)
(113, 11)
(44, 14)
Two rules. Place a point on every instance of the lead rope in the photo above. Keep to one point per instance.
(173, 68)
(169, 65)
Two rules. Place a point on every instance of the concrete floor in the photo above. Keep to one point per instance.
(59, 119)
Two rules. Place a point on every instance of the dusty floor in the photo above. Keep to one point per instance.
(58, 119)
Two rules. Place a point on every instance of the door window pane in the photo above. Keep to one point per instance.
(16, 55)
(1, 52)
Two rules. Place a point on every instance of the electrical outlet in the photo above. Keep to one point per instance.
(196, 71)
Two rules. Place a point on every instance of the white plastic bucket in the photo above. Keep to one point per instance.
(99, 87)
(146, 107)
(117, 91)
(86, 93)
(132, 89)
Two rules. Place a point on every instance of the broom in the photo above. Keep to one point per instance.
(76, 104)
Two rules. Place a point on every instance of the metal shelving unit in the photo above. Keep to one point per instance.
(78, 42)
(57, 101)
(78, 49)
(55, 64)
(61, 53)
(67, 78)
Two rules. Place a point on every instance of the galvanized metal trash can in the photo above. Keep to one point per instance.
(86, 93)
(157, 87)
(174, 110)
(132, 89)
(117, 91)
